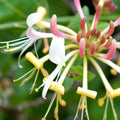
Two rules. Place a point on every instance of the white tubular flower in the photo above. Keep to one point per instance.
(32, 19)
(49, 79)
(57, 51)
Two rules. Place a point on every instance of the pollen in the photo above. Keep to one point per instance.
(35, 61)
(114, 93)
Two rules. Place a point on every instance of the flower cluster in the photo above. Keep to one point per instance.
(89, 44)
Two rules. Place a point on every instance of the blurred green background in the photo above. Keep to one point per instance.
(16, 102)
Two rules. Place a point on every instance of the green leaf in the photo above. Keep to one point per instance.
(68, 83)
(86, 13)
(13, 10)
(77, 73)
(58, 8)
(75, 23)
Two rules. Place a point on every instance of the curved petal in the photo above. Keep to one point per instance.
(34, 35)
(32, 19)
(57, 51)
(111, 51)
(46, 87)
(79, 9)
(55, 31)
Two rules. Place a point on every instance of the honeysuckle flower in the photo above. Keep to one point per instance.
(91, 43)
(88, 44)
(108, 7)
(32, 34)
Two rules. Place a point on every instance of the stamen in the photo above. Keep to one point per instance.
(44, 72)
(106, 107)
(53, 98)
(77, 109)
(7, 45)
(101, 101)
(110, 63)
(55, 31)
(90, 93)
(113, 109)
(29, 77)
(23, 75)
(54, 86)
(31, 89)
(24, 49)
(38, 63)
(56, 110)
(20, 39)
(114, 93)
(104, 80)
(35, 61)
(42, 12)
(61, 101)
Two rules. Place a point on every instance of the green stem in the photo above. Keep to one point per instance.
(19, 24)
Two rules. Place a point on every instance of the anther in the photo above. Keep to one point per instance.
(90, 93)
(57, 87)
(35, 61)
(42, 12)
(114, 93)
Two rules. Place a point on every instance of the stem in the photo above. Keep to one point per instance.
(85, 72)
(100, 72)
